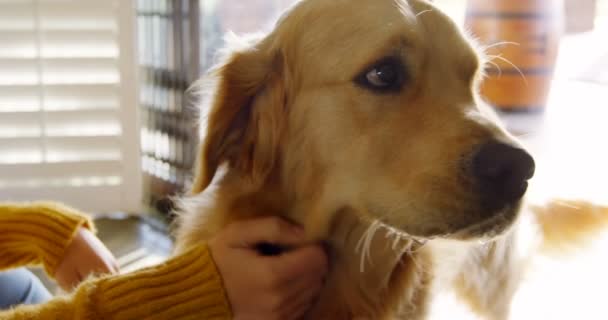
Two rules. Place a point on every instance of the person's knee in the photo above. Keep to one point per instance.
(20, 286)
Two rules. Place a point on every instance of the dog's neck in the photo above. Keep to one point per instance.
(373, 268)
(370, 263)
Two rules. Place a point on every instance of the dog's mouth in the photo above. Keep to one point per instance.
(406, 241)
(488, 228)
(482, 229)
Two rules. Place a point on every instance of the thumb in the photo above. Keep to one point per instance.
(273, 230)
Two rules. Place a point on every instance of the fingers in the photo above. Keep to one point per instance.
(68, 279)
(110, 265)
(100, 266)
(108, 262)
(293, 281)
(101, 260)
(307, 260)
(302, 299)
(291, 300)
(115, 267)
(273, 230)
(299, 312)
(285, 284)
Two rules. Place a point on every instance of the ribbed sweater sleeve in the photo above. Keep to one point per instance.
(37, 233)
(185, 287)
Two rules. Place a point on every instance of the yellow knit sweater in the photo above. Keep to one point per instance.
(185, 287)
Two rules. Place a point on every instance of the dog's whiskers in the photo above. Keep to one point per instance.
(568, 205)
(423, 12)
(500, 57)
(394, 236)
(524, 134)
(495, 65)
(500, 43)
(364, 244)
(406, 248)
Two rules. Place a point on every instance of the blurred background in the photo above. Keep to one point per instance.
(95, 109)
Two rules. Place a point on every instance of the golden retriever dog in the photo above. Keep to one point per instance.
(360, 120)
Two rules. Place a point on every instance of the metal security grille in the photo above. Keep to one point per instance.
(169, 62)
(178, 40)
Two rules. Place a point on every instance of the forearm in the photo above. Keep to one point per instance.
(185, 287)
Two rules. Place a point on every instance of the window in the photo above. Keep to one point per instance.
(67, 103)
(168, 62)
(178, 40)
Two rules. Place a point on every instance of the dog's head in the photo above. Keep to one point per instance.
(370, 105)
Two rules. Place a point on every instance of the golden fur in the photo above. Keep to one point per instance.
(376, 176)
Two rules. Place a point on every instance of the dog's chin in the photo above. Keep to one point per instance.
(484, 229)
(489, 228)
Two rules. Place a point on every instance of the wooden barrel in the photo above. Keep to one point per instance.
(530, 31)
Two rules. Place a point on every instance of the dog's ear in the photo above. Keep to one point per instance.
(247, 115)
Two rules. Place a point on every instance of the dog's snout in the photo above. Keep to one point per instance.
(502, 173)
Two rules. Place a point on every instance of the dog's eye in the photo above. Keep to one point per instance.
(386, 75)
(383, 76)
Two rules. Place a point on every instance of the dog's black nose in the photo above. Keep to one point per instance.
(502, 173)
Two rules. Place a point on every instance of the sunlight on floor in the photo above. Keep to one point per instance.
(138, 259)
(567, 287)
(556, 288)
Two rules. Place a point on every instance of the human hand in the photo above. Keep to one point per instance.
(85, 255)
(282, 286)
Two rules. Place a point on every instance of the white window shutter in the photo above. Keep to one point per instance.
(68, 103)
